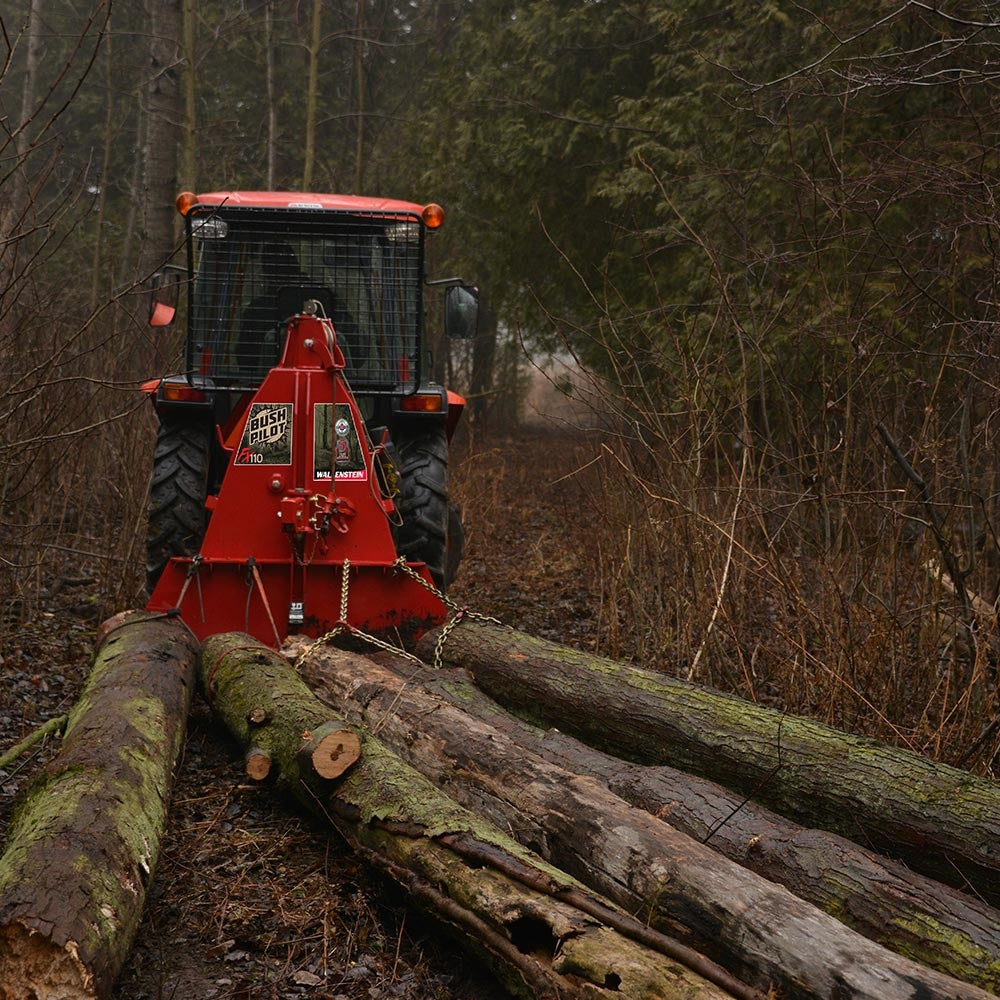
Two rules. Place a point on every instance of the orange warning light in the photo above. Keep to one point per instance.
(186, 200)
(433, 216)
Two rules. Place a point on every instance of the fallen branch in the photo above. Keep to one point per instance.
(56, 725)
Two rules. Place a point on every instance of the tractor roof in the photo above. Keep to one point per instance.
(298, 199)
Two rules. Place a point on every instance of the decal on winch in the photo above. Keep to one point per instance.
(267, 435)
(336, 444)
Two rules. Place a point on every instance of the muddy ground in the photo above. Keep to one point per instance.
(252, 899)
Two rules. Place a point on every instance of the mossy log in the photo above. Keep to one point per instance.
(84, 841)
(904, 911)
(938, 819)
(540, 944)
(758, 930)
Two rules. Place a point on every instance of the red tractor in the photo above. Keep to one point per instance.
(300, 478)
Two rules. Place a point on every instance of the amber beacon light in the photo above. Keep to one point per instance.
(185, 202)
(433, 216)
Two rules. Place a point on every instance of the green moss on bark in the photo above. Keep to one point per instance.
(84, 842)
(941, 820)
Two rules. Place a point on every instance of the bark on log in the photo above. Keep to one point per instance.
(940, 820)
(758, 930)
(395, 819)
(906, 912)
(84, 842)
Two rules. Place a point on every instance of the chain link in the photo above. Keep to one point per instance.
(459, 614)
(345, 588)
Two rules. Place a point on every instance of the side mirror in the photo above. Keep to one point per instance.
(461, 311)
(163, 297)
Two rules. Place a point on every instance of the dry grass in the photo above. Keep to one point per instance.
(822, 601)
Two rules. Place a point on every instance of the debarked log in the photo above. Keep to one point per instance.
(909, 913)
(940, 820)
(453, 863)
(758, 930)
(84, 841)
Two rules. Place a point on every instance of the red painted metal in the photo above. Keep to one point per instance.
(456, 404)
(298, 199)
(299, 497)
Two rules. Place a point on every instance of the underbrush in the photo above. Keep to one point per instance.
(823, 598)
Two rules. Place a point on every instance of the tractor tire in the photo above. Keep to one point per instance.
(177, 492)
(423, 536)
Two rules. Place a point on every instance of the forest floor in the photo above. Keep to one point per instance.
(251, 899)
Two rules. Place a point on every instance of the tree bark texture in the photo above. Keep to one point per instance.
(757, 930)
(396, 820)
(84, 841)
(940, 820)
(922, 919)
(163, 130)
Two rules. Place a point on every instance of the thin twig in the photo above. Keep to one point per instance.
(725, 572)
(56, 725)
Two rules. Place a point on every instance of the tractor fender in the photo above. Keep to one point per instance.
(456, 404)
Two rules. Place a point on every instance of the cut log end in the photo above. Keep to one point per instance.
(32, 966)
(328, 751)
(257, 764)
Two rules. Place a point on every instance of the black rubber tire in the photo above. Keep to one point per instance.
(422, 454)
(177, 491)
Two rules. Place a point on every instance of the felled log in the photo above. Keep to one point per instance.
(758, 930)
(519, 913)
(940, 820)
(84, 841)
(920, 918)
(325, 747)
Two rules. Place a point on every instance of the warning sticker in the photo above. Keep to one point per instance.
(336, 445)
(267, 436)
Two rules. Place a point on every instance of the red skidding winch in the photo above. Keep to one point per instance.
(300, 479)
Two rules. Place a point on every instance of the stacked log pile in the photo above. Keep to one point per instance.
(587, 828)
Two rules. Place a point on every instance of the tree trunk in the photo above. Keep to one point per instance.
(902, 910)
(452, 862)
(484, 351)
(189, 171)
(84, 842)
(110, 110)
(312, 99)
(940, 820)
(759, 931)
(272, 110)
(359, 104)
(163, 117)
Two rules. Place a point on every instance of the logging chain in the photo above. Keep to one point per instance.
(460, 613)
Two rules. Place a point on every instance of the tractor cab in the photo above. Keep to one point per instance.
(301, 466)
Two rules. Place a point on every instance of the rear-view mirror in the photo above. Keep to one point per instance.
(461, 311)
(163, 297)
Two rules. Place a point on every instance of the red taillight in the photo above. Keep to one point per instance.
(421, 403)
(177, 392)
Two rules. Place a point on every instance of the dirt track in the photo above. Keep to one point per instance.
(251, 900)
